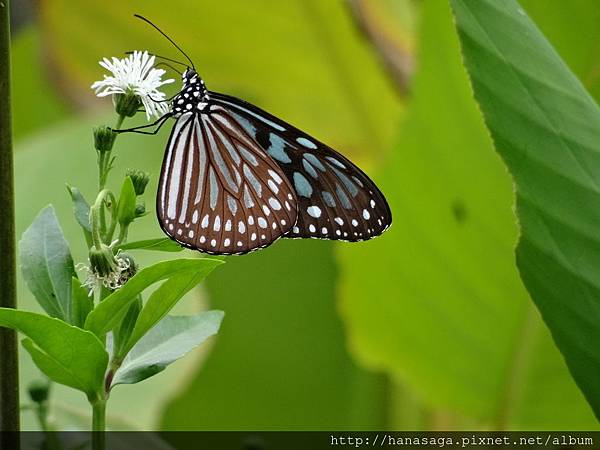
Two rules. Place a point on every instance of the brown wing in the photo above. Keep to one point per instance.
(219, 192)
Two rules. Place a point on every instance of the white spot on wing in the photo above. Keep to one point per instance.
(274, 203)
(273, 186)
(204, 223)
(275, 176)
(306, 143)
(314, 211)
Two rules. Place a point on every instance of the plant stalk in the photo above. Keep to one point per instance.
(99, 424)
(9, 370)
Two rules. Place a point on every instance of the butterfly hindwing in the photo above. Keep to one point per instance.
(219, 192)
(336, 200)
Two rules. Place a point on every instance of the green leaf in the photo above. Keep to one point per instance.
(162, 301)
(47, 265)
(440, 289)
(66, 354)
(107, 314)
(546, 127)
(127, 198)
(122, 333)
(160, 244)
(169, 340)
(82, 303)
(81, 208)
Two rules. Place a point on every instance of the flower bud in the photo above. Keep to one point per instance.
(104, 138)
(140, 210)
(102, 261)
(38, 390)
(127, 104)
(139, 179)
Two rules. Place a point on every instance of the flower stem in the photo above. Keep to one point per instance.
(104, 160)
(99, 232)
(98, 424)
(9, 370)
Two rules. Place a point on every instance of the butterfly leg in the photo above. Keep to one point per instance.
(160, 122)
(163, 101)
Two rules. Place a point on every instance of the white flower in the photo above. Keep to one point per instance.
(135, 74)
(116, 279)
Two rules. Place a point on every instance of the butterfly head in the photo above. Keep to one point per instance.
(193, 96)
(191, 78)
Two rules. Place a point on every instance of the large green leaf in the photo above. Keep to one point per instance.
(437, 300)
(572, 27)
(66, 354)
(107, 314)
(159, 245)
(47, 264)
(280, 361)
(169, 340)
(547, 128)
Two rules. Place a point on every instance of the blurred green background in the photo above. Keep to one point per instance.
(428, 327)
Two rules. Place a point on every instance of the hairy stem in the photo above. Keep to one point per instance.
(9, 371)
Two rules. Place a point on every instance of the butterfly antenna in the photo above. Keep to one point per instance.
(168, 38)
(162, 57)
(162, 63)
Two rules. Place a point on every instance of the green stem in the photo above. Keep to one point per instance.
(41, 411)
(9, 370)
(123, 231)
(99, 424)
(52, 442)
(99, 232)
(104, 159)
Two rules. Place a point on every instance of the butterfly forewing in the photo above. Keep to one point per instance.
(336, 200)
(219, 192)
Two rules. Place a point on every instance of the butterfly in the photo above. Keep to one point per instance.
(235, 178)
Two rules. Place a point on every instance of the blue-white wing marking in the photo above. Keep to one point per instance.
(336, 200)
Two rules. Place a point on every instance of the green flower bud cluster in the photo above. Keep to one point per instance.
(102, 261)
(104, 139)
(139, 179)
(38, 391)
